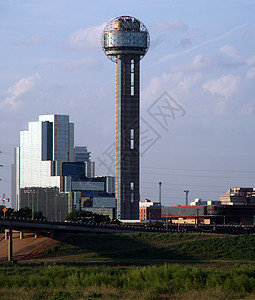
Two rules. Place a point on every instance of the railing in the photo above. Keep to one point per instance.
(191, 228)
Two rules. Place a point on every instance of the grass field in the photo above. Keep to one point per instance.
(151, 248)
(137, 266)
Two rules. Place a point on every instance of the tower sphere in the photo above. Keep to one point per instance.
(125, 35)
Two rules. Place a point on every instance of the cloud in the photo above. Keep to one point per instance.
(157, 41)
(189, 81)
(23, 86)
(230, 51)
(175, 83)
(152, 90)
(212, 79)
(86, 38)
(165, 31)
(248, 108)
(251, 73)
(187, 40)
(198, 63)
(203, 62)
(249, 34)
(251, 60)
(251, 64)
(225, 86)
(210, 41)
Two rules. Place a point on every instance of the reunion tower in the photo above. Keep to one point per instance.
(125, 41)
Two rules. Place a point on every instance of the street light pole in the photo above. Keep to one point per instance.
(33, 206)
(187, 193)
(1, 165)
(160, 183)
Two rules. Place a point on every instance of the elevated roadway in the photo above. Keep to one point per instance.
(10, 224)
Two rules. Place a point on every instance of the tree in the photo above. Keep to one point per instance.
(79, 215)
(87, 216)
(26, 212)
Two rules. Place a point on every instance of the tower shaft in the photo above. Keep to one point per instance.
(125, 40)
(127, 136)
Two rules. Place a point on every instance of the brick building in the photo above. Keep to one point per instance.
(149, 211)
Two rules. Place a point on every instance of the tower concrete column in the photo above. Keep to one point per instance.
(125, 41)
(127, 136)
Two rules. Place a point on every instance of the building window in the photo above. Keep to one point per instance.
(132, 79)
(132, 185)
(132, 139)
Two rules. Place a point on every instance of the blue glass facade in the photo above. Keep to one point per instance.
(47, 140)
(125, 39)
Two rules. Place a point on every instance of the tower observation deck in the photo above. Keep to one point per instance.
(125, 40)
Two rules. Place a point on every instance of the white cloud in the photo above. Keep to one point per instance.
(249, 34)
(163, 32)
(248, 108)
(86, 38)
(158, 84)
(251, 60)
(188, 39)
(151, 90)
(199, 62)
(189, 81)
(230, 51)
(225, 86)
(23, 86)
(207, 62)
(251, 73)
(207, 42)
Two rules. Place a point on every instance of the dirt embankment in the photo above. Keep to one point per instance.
(27, 248)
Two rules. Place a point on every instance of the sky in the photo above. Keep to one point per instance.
(197, 88)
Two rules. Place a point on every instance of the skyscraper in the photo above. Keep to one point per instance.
(125, 40)
(46, 178)
(43, 147)
(81, 154)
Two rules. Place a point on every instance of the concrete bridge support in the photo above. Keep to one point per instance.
(10, 246)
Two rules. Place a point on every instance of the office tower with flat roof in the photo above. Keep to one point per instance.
(38, 160)
(125, 41)
(46, 178)
(81, 153)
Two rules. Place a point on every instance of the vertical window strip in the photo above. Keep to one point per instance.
(132, 78)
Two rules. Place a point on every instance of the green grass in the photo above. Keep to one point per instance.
(136, 266)
(150, 248)
(151, 282)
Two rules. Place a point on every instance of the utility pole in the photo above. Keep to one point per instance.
(1, 165)
(160, 183)
(187, 196)
(33, 206)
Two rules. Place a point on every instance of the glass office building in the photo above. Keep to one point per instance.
(81, 154)
(47, 177)
(43, 147)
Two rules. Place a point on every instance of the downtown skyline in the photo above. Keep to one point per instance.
(202, 61)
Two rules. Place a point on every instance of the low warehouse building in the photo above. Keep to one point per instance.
(210, 214)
